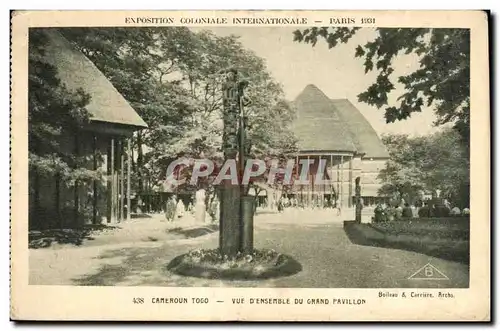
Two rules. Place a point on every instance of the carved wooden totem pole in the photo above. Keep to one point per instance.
(359, 204)
(231, 236)
(247, 202)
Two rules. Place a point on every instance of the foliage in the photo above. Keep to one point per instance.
(142, 64)
(213, 257)
(268, 117)
(441, 81)
(438, 161)
(172, 77)
(210, 263)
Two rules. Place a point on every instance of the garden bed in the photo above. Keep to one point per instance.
(435, 228)
(209, 263)
(446, 240)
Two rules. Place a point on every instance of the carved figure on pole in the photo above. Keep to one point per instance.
(359, 203)
(230, 212)
(247, 202)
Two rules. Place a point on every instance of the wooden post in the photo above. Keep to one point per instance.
(230, 223)
(321, 189)
(113, 186)
(247, 211)
(359, 206)
(60, 219)
(350, 181)
(76, 193)
(129, 164)
(122, 180)
(298, 176)
(325, 175)
(338, 197)
(309, 184)
(108, 180)
(94, 197)
(313, 191)
(230, 230)
(331, 184)
(341, 180)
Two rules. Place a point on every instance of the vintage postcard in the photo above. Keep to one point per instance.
(250, 166)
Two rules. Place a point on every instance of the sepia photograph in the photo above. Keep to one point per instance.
(334, 155)
(111, 109)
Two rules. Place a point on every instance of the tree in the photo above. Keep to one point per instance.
(269, 117)
(402, 176)
(142, 63)
(442, 80)
(438, 161)
(172, 77)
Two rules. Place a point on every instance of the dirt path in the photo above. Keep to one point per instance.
(327, 257)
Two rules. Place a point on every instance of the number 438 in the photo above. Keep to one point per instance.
(138, 300)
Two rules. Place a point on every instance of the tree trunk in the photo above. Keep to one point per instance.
(230, 230)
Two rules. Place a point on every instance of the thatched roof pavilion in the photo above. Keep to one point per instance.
(76, 71)
(326, 125)
(104, 142)
(334, 130)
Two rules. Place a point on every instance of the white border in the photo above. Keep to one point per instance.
(145, 4)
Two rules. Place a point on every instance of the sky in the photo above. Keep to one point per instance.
(334, 71)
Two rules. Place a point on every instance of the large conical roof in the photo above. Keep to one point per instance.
(76, 71)
(325, 125)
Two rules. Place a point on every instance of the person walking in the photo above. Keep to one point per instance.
(180, 209)
(337, 206)
(280, 205)
(170, 208)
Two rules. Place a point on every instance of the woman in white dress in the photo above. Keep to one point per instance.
(179, 212)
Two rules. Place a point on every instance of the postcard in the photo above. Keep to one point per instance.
(250, 166)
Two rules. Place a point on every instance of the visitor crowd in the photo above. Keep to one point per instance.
(420, 209)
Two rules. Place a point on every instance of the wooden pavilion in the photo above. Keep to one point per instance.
(104, 144)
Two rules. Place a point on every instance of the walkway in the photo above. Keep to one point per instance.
(327, 256)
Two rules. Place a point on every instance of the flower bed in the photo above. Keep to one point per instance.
(209, 263)
(446, 229)
(426, 237)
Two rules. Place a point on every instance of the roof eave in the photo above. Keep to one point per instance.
(113, 128)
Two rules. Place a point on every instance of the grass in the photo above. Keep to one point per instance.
(443, 238)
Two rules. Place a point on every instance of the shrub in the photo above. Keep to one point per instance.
(441, 211)
(425, 211)
(380, 215)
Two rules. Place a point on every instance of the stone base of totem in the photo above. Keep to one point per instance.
(211, 264)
